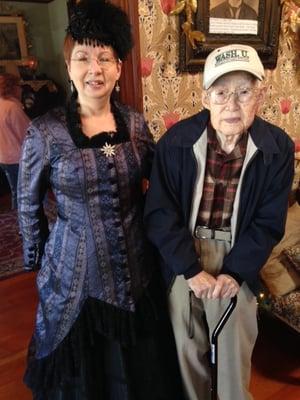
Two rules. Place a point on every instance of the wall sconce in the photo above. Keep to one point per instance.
(28, 68)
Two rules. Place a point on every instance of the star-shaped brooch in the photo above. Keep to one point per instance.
(108, 149)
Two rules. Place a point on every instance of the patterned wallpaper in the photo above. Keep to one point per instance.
(170, 96)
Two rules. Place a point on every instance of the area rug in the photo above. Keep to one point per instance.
(11, 253)
(11, 256)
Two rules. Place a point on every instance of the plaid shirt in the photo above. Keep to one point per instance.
(222, 176)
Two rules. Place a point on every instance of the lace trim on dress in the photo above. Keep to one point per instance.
(101, 139)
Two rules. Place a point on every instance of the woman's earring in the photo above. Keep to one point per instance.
(72, 87)
(117, 87)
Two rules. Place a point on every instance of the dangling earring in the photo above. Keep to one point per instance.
(72, 87)
(117, 87)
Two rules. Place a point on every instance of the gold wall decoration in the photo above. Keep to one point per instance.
(190, 8)
(291, 21)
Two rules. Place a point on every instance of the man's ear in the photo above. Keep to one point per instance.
(205, 99)
(261, 96)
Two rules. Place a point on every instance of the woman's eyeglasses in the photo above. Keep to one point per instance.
(222, 96)
(103, 62)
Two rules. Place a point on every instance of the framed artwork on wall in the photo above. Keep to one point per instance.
(13, 47)
(252, 22)
(31, 1)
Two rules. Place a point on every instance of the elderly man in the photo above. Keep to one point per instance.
(215, 208)
(235, 9)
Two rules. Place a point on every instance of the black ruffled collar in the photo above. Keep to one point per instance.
(102, 138)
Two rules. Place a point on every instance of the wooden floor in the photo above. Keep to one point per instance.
(17, 309)
(276, 361)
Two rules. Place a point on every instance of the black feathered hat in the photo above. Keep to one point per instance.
(100, 22)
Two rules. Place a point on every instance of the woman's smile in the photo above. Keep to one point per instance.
(95, 83)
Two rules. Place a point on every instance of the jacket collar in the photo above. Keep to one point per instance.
(193, 128)
(263, 139)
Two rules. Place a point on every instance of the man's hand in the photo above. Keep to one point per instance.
(226, 286)
(203, 285)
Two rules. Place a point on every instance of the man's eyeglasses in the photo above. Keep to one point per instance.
(103, 62)
(222, 96)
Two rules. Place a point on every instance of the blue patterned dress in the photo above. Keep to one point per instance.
(99, 291)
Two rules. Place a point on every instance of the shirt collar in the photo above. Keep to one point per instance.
(239, 150)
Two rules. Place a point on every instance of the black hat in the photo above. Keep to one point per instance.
(100, 22)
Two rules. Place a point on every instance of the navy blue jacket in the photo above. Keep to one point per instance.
(262, 207)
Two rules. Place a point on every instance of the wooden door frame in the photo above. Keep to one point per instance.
(131, 79)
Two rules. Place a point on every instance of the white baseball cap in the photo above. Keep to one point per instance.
(234, 57)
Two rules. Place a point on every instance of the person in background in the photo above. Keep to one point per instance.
(235, 9)
(102, 329)
(215, 208)
(13, 125)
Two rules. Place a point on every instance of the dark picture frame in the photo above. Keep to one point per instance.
(265, 41)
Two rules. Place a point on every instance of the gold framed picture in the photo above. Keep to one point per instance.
(13, 46)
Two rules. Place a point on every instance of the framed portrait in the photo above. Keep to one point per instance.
(13, 47)
(252, 22)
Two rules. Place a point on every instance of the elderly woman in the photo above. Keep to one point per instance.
(13, 125)
(216, 207)
(102, 330)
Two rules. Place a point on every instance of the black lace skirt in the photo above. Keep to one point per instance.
(140, 363)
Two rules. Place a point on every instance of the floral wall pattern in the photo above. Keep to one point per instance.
(170, 96)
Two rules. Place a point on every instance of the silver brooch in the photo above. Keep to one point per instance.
(108, 150)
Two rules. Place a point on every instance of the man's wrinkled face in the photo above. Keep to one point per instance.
(233, 101)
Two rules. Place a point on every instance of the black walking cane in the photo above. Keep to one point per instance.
(214, 347)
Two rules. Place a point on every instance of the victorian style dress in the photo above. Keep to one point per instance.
(102, 330)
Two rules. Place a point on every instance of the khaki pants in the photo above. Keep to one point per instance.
(192, 317)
